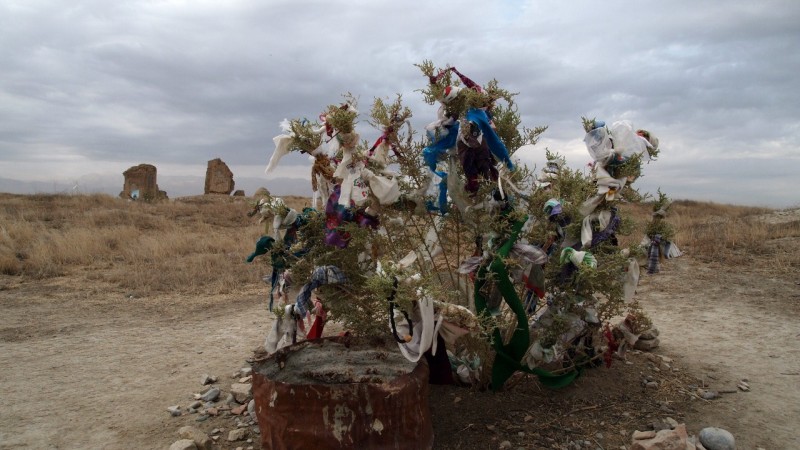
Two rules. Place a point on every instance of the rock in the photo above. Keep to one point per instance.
(671, 422)
(200, 439)
(210, 395)
(183, 444)
(676, 439)
(207, 379)
(174, 410)
(651, 384)
(196, 404)
(239, 409)
(706, 394)
(650, 334)
(246, 379)
(646, 344)
(245, 371)
(505, 444)
(241, 392)
(743, 386)
(251, 409)
(219, 178)
(230, 399)
(714, 438)
(639, 435)
(239, 193)
(237, 434)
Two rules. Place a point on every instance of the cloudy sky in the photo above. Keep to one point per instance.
(90, 88)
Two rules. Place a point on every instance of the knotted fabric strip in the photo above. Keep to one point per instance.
(321, 275)
(508, 356)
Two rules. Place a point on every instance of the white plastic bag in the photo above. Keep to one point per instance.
(626, 142)
(598, 142)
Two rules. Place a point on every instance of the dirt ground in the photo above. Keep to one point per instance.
(83, 366)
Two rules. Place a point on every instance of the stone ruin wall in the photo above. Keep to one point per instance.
(219, 178)
(142, 177)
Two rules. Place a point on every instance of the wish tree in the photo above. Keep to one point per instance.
(443, 245)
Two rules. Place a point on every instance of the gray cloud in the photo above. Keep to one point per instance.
(178, 83)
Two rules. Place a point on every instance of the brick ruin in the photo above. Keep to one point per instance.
(140, 183)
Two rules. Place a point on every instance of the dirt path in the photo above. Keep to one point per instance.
(81, 373)
(726, 324)
(84, 369)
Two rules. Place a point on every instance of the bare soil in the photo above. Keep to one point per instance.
(83, 365)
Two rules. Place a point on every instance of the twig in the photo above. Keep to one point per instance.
(585, 408)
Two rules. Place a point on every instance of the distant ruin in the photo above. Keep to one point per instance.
(219, 178)
(140, 183)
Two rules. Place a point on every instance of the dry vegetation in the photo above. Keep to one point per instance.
(197, 245)
(193, 245)
(727, 234)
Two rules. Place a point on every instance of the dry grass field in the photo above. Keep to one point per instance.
(194, 245)
(112, 309)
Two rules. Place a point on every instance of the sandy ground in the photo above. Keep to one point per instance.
(727, 324)
(90, 368)
(82, 372)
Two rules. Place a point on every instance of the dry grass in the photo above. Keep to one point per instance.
(727, 234)
(194, 245)
(197, 245)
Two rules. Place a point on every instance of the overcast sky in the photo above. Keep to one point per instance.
(94, 87)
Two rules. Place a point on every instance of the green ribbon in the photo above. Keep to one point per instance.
(508, 356)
